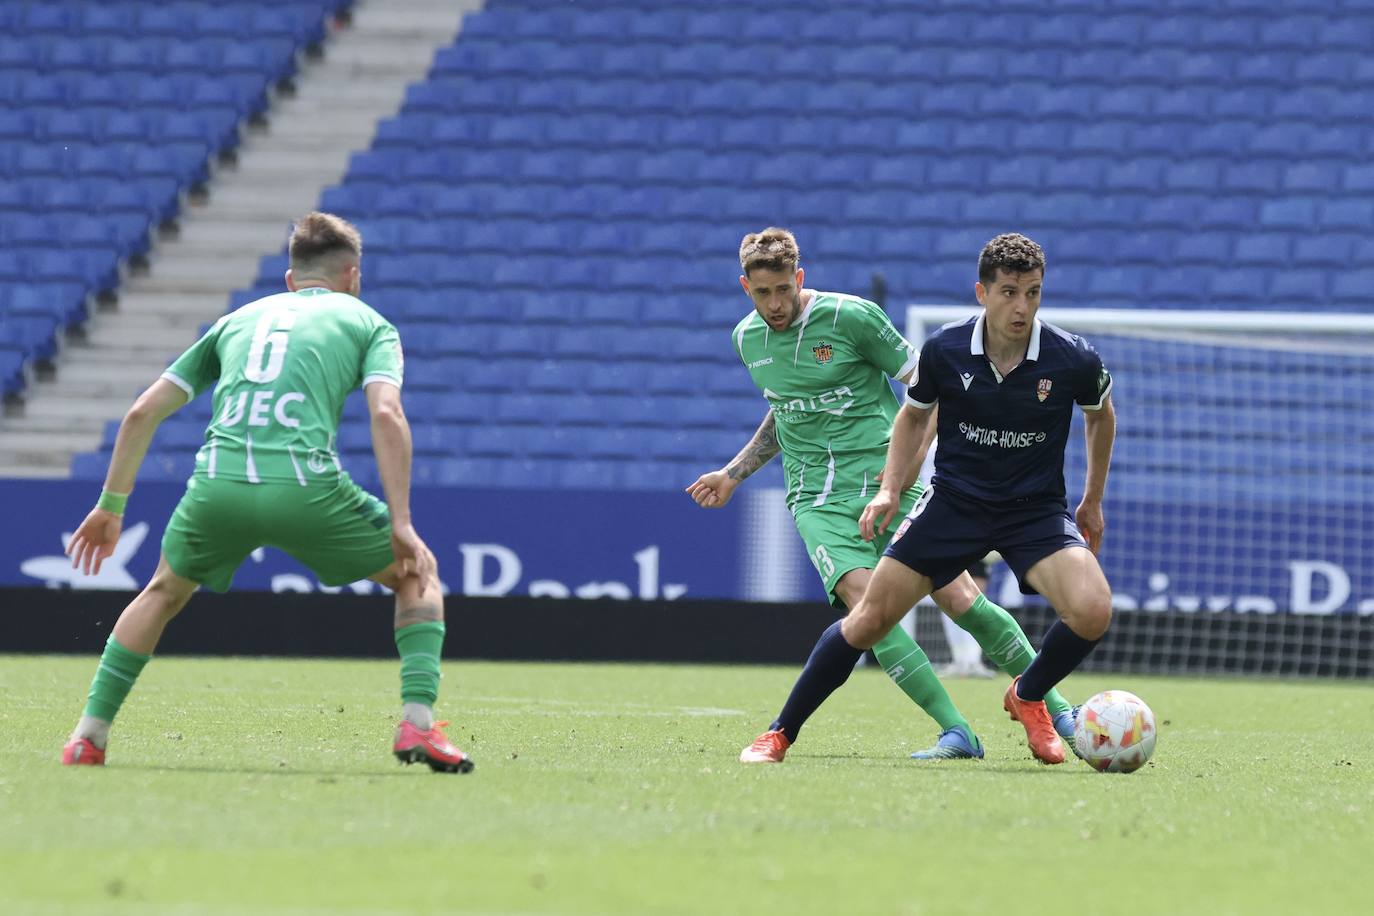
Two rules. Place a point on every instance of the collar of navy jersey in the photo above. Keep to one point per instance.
(975, 346)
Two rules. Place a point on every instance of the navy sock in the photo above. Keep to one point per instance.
(1061, 651)
(830, 664)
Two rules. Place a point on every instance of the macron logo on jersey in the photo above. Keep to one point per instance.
(968, 379)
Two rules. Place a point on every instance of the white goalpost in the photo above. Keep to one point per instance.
(1240, 505)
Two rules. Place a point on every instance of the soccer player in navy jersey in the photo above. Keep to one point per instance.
(1006, 384)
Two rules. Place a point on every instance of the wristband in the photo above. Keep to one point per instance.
(113, 503)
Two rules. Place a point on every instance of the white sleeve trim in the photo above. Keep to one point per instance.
(912, 402)
(378, 377)
(909, 364)
(1102, 400)
(180, 383)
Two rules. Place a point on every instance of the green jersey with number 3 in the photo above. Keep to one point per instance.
(826, 380)
(284, 365)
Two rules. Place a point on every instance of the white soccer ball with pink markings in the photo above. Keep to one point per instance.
(1115, 732)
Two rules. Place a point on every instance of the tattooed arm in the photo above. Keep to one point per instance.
(713, 490)
(758, 452)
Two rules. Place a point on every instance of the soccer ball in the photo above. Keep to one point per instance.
(1115, 732)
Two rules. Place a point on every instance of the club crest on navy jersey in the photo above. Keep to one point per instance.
(823, 352)
(1042, 389)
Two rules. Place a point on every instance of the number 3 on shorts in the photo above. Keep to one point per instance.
(823, 562)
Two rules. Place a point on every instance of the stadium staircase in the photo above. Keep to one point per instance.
(238, 210)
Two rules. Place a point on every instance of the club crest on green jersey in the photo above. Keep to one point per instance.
(823, 352)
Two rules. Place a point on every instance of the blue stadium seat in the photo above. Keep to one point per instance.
(1134, 174)
(1352, 286)
(1299, 287)
(1124, 101)
(1262, 250)
(1245, 284)
(137, 54)
(1073, 174)
(1261, 177)
(1201, 248)
(30, 335)
(584, 474)
(1346, 214)
(1290, 213)
(1330, 250)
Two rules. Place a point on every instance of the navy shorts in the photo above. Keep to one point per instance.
(945, 533)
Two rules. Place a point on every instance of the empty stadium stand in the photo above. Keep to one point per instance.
(552, 218)
(112, 112)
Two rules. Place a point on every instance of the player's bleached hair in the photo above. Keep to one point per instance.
(1011, 253)
(324, 240)
(771, 249)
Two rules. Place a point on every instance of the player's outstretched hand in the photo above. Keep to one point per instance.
(412, 556)
(877, 515)
(713, 490)
(1091, 523)
(94, 541)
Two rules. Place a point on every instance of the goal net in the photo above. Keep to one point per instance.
(1240, 504)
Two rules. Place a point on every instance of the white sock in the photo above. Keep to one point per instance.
(419, 715)
(96, 731)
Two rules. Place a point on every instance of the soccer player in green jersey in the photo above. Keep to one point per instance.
(823, 361)
(268, 475)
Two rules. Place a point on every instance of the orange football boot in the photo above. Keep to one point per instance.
(1040, 734)
(770, 747)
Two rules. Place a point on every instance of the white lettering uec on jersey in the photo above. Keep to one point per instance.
(262, 405)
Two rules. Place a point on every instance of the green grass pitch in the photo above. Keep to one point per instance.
(265, 786)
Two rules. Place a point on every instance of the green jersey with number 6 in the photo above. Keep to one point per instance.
(284, 365)
(826, 380)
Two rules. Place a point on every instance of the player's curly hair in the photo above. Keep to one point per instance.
(318, 236)
(771, 249)
(1011, 253)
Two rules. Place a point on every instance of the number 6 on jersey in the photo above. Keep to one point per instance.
(266, 366)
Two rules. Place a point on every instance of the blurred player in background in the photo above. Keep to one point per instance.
(268, 475)
(1006, 384)
(823, 361)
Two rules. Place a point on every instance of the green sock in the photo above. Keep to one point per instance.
(906, 663)
(1005, 643)
(114, 678)
(420, 645)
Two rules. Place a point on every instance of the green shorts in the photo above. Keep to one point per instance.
(833, 542)
(341, 532)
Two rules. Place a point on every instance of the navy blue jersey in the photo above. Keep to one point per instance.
(1002, 439)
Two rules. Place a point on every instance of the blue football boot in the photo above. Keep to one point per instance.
(1064, 723)
(954, 744)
